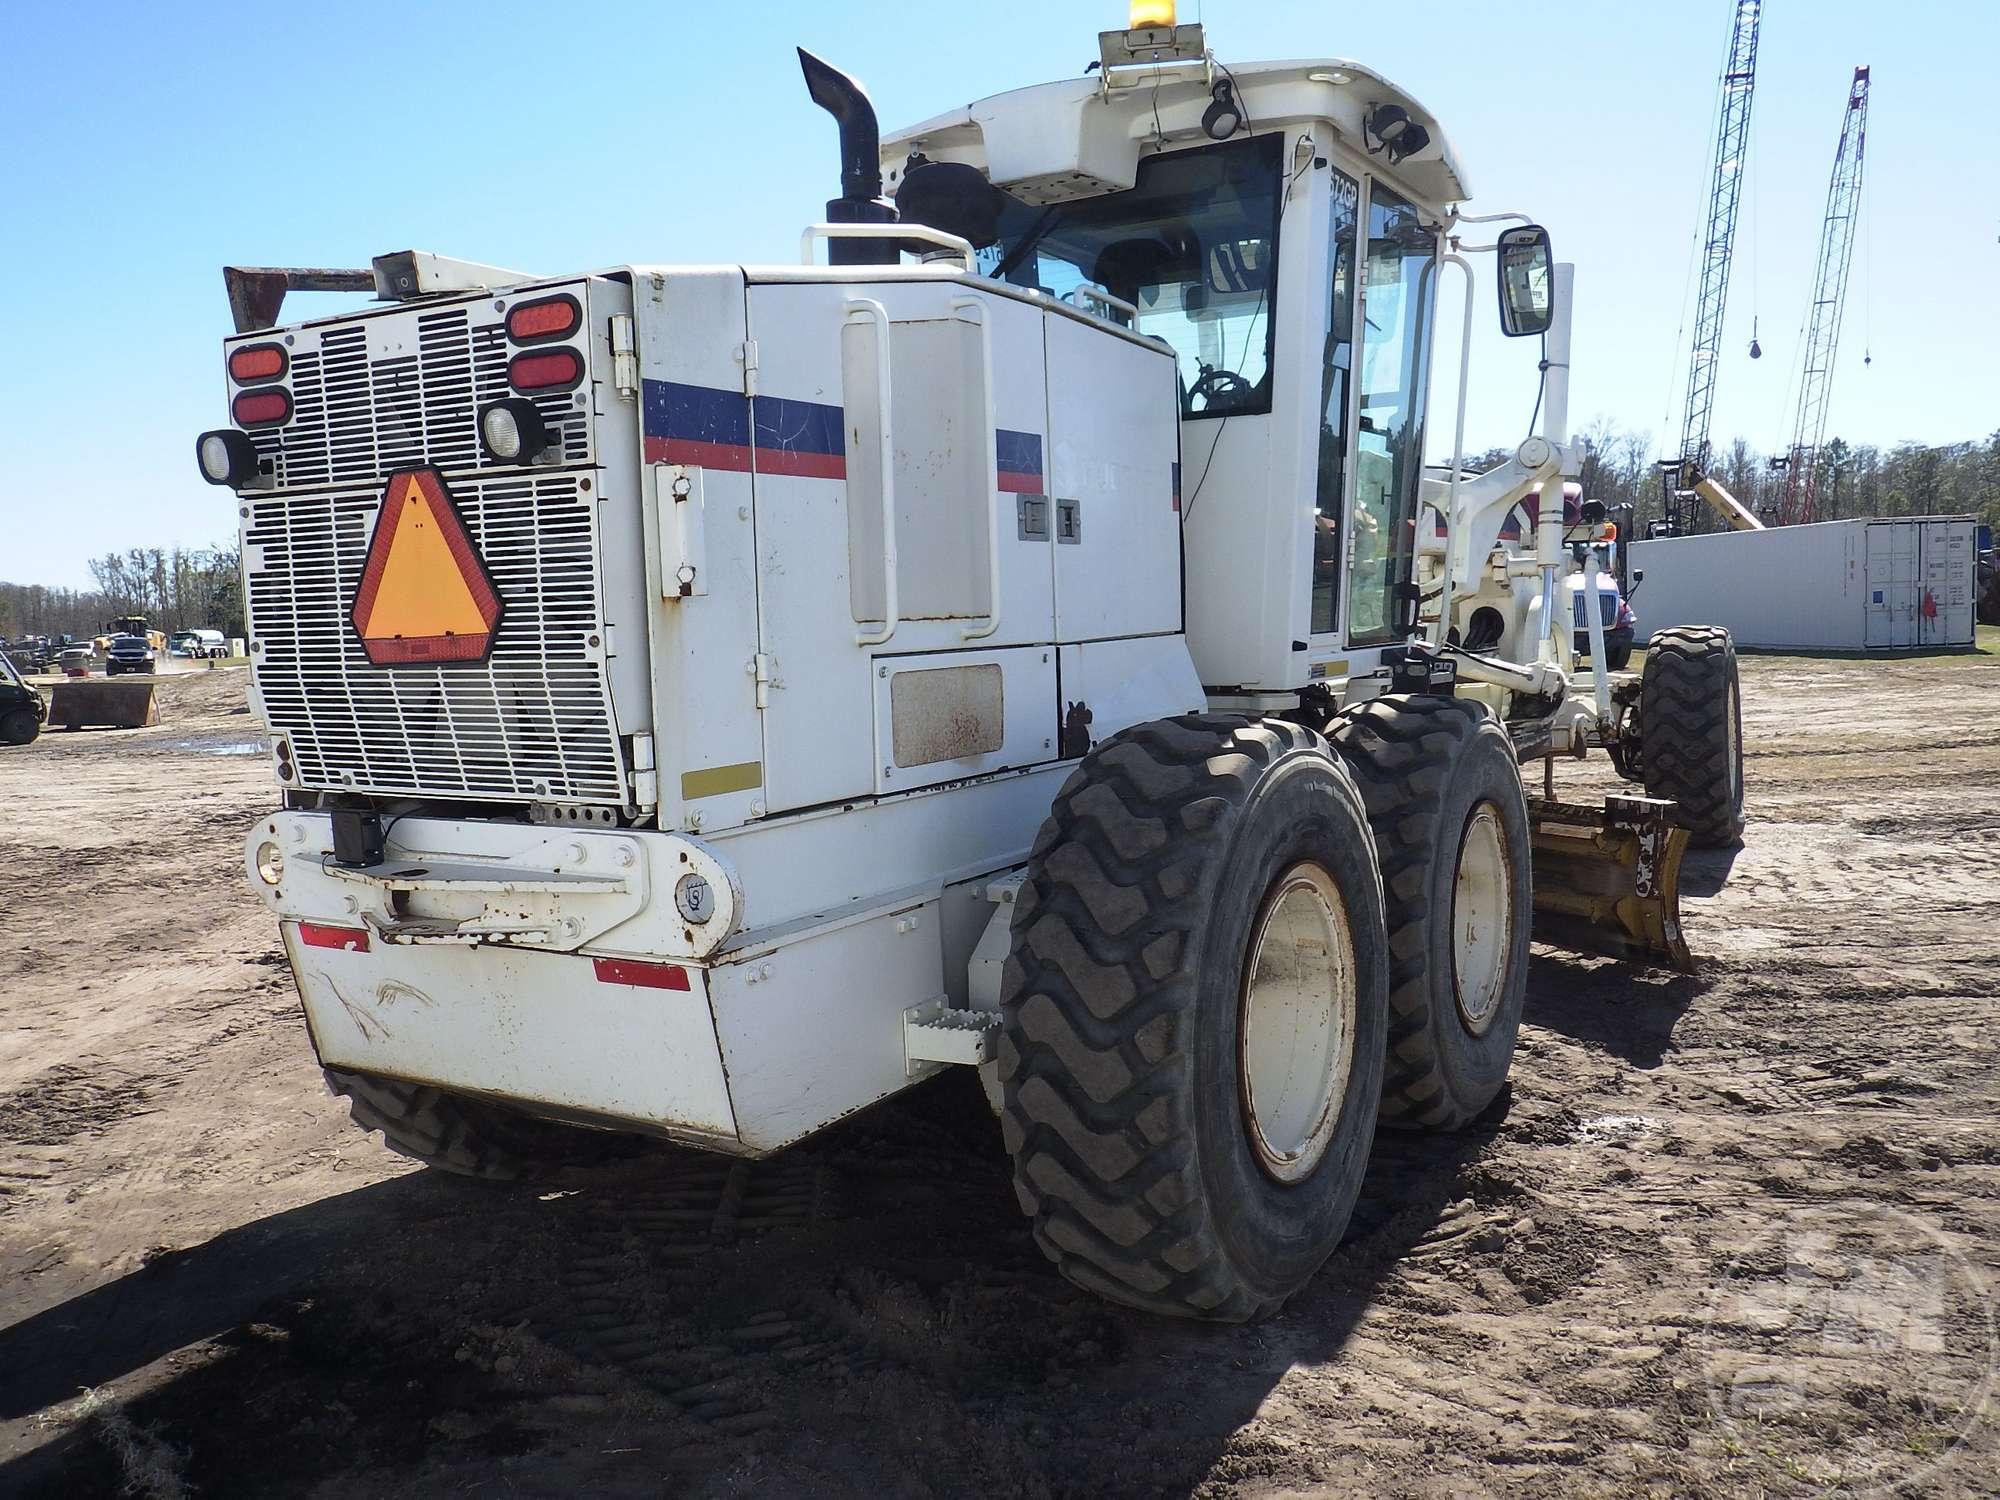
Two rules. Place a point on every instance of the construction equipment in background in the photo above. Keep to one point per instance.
(1738, 515)
(1682, 476)
(1799, 501)
(130, 625)
(983, 693)
(100, 703)
(21, 707)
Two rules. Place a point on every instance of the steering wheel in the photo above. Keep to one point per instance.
(1215, 383)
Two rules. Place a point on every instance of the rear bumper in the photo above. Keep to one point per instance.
(551, 968)
(556, 1032)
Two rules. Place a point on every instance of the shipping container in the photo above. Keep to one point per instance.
(1901, 585)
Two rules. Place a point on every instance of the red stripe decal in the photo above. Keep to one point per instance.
(737, 457)
(798, 464)
(647, 976)
(698, 454)
(320, 935)
(1020, 484)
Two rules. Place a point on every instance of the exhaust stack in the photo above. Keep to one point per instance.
(860, 200)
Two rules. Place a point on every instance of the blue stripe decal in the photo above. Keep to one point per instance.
(1020, 452)
(787, 426)
(696, 413)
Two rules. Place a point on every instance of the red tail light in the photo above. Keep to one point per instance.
(324, 935)
(550, 318)
(261, 408)
(546, 370)
(254, 362)
(649, 976)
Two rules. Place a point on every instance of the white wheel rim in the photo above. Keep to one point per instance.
(1734, 712)
(1296, 1032)
(1482, 919)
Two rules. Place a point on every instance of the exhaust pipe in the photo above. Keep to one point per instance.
(860, 200)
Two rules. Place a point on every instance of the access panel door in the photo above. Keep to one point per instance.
(854, 571)
(1113, 430)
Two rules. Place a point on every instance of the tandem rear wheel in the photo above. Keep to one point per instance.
(1194, 1015)
(1450, 819)
(469, 1136)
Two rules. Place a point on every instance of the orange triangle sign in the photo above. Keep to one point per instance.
(424, 594)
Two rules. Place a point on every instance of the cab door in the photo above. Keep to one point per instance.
(1398, 300)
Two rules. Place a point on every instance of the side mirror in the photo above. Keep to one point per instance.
(1527, 282)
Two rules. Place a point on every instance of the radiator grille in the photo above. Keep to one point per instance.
(356, 419)
(1607, 608)
(531, 723)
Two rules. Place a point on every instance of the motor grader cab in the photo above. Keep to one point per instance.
(708, 700)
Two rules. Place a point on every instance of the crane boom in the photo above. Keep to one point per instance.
(1732, 135)
(1836, 252)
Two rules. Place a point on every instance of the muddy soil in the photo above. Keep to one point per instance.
(1728, 1234)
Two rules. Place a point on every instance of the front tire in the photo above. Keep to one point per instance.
(1450, 816)
(1194, 1016)
(20, 727)
(1691, 731)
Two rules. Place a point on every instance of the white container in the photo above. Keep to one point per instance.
(1899, 585)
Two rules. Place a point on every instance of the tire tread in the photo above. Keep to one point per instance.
(1091, 1058)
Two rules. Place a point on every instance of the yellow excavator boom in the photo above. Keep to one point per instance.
(1726, 505)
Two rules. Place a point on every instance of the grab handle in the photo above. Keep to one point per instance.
(1086, 292)
(989, 465)
(958, 246)
(868, 310)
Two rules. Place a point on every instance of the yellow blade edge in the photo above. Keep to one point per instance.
(1609, 880)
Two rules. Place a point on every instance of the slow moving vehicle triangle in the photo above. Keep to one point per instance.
(424, 594)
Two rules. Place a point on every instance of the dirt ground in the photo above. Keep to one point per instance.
(1729, 1234)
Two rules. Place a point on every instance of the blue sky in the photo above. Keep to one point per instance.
(147, 145)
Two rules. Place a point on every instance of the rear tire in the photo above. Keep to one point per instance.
(468, 1136)
(1450, 816)
(1691, 731)
(20, 727)
(1194, 1007)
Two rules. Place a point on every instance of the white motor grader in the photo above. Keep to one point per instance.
(709, 700)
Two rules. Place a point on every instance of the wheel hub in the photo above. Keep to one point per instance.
(1482, 919)
(1297, 1024)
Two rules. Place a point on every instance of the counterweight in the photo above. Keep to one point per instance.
(1836, 252)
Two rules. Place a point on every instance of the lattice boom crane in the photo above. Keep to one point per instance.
(1732, 134)
(1822, 342)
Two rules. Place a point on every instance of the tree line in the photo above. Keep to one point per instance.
(1859, 479)
(175, 588)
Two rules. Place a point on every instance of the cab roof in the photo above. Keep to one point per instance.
(1076, 139)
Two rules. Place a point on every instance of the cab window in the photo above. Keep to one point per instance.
(1336, 386)
(1399, 281)
(1193, 245)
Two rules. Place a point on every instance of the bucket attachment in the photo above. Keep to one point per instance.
(1609, 882)
(98, 702)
